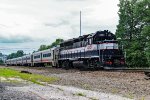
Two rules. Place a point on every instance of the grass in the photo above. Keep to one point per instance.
(12, 81)
(114, 91)
(143, 98)
(60, 89)
(86, 86)
(35, 78)
(129, 95)
(93, 98)
(81, 94)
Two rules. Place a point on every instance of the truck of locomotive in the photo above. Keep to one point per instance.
(95, 50)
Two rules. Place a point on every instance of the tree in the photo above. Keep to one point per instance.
(134, 28)
(1, 62)
(44, 47)
(57, 42)
(146, 27)
(19, 53)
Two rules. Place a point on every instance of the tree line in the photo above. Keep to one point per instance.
(21, 53)
(44, 47)
(1, 62)
(134, 31)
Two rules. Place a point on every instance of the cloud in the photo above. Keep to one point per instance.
(57, 24)
(15, 39)
(73, 0)
(43, 21)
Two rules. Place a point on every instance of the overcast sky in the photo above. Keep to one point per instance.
(26, 24)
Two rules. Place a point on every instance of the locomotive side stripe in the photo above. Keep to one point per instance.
(91, 48)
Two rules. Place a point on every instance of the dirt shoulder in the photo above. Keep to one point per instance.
(11, 94)
(130, 85)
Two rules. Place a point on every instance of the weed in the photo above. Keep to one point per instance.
(114, 91)
(130, 96)
(60, 89)
(86, 86)
(93, 98)
(143, 98)
(81, 94)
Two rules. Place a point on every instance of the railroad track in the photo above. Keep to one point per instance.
(129, 69)
(145, 71)
(132, 70)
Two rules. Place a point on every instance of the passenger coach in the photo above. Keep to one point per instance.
(40, 58)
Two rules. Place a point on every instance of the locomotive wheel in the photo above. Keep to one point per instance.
(67, 65)
(59, 65)
(63, 64)
(89, 63)
(85, 67)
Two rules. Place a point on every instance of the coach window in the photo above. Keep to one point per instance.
(38, 56)
(47, 55)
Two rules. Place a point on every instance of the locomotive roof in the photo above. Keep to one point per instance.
(105, 32)
(76, 39)
(26, 55)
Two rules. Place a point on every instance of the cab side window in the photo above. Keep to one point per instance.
(89, 41)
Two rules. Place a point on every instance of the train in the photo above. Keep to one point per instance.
(95, 50)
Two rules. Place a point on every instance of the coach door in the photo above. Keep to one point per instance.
(55, 57)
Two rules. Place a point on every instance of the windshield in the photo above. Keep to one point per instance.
(103, 36)
(114, 52)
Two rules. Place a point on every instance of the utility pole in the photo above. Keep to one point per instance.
(80, 23)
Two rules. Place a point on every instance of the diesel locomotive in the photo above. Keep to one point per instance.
(95, 50)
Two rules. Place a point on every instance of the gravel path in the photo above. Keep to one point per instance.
(11, 94)
(52, 92)
(131, 85)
